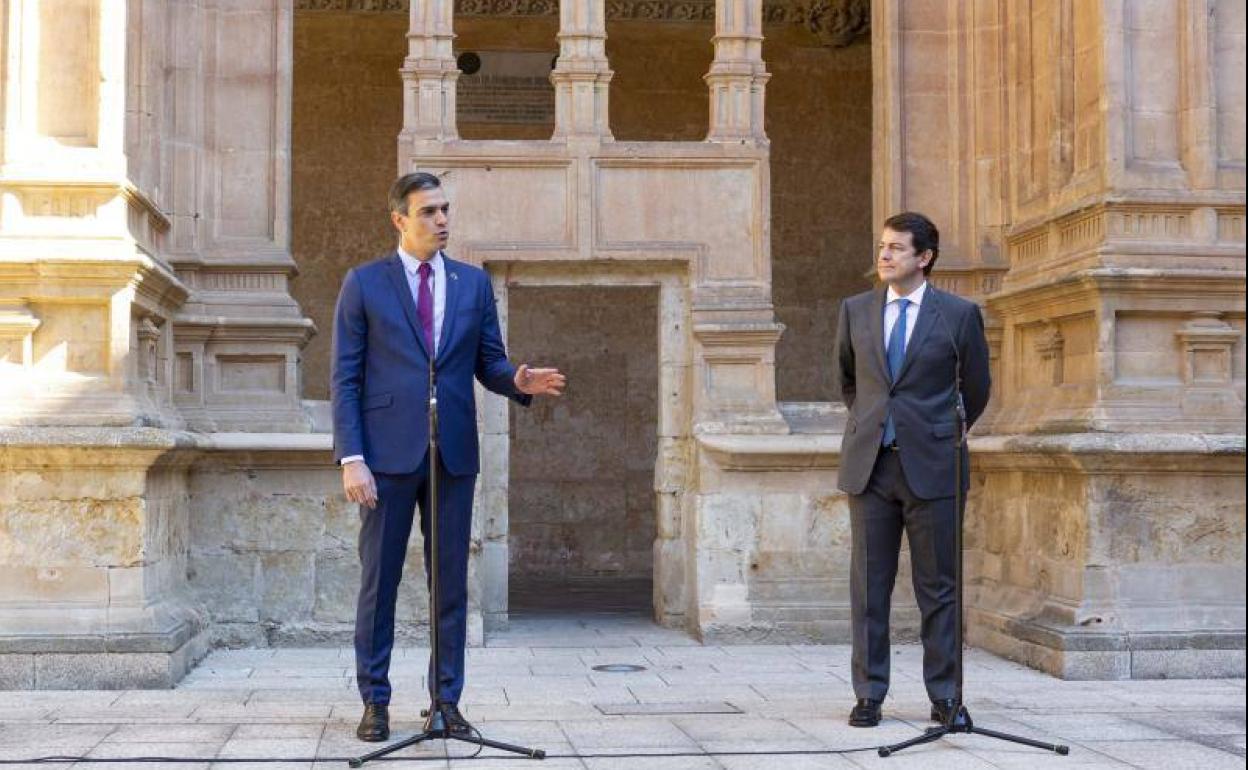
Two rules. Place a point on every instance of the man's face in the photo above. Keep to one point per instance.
(896, 263)
(426, 226)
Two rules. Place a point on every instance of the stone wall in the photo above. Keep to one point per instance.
(272, 554)
(581, 497)
(347, 113)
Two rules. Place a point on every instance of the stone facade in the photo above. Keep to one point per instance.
(164, 486)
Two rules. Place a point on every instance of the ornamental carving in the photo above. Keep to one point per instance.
(838, 23)
(835, 22)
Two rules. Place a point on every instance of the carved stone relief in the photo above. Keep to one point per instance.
(836, 23)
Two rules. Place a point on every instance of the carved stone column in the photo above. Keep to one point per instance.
(1107, 245)
(236, 362)
(429, 73)
(93, 563)
(581, 76)
(78, 236)
(737, 78)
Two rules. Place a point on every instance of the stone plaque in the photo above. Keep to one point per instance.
(510, 87)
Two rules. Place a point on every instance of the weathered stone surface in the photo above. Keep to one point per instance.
(17, 671)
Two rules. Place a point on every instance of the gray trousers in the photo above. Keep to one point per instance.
(877, 518)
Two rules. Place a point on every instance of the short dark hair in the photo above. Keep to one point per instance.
(923, 234)
(408, 184)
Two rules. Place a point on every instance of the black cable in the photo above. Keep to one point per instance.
(65, 759)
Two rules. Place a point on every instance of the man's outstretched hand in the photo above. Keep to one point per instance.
(540, 382)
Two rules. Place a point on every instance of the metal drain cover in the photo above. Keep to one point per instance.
(619, 668)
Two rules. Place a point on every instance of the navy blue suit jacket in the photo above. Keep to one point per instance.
(380, 380)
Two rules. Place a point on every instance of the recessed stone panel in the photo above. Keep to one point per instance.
(72, 337)
(542, 214)
(688, 204)
(1145, 349)
(251, 374)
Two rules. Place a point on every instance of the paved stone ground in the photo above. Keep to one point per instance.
(535, 684)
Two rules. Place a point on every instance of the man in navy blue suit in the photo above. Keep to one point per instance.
(394, 316)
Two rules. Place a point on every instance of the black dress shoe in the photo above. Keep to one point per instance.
(941, 709)
(375, 724)
(455, 722)
(866, 713)
(446, 721)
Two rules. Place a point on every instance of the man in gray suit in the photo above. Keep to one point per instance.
(900, 352)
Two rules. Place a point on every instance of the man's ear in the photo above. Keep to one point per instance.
(925, 258)
(396, 219)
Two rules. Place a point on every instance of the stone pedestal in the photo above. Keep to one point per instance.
(93, 545)
(1101, 556)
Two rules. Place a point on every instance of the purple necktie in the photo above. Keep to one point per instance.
(424, 305)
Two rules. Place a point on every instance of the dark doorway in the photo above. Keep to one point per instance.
(581, 500)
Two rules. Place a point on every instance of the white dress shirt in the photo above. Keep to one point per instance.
(411, 267)
(892, 310)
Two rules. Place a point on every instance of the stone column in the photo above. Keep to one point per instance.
(236, 363)
(737, 78)
(78, 236)
(1086, 162)
(93, 563)
(581, 76)
(429, 74)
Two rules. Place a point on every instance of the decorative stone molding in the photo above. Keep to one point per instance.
(1208, 346)
(737, 378)
(1050, 347)
(1108, 338)
(973, 284)
(1138, 233)
(17, 326)
(837, 23)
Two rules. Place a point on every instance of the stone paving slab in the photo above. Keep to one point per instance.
(534, 684)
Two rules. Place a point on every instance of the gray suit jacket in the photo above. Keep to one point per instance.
(949, 330)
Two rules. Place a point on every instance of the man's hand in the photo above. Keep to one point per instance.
(358, 483)
(540, 382)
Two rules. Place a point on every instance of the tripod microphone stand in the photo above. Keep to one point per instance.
(436, 724)
(959, 720)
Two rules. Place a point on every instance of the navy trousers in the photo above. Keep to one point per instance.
(384, 533)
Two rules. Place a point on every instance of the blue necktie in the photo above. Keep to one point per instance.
(896, 356)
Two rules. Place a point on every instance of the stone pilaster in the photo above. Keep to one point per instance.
(581, 76)
(429, 74)
(738, 77)
(81, 273)
(1085, 162)
(238, 337)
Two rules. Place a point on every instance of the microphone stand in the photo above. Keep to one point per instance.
(959, 720)
(436, 724)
